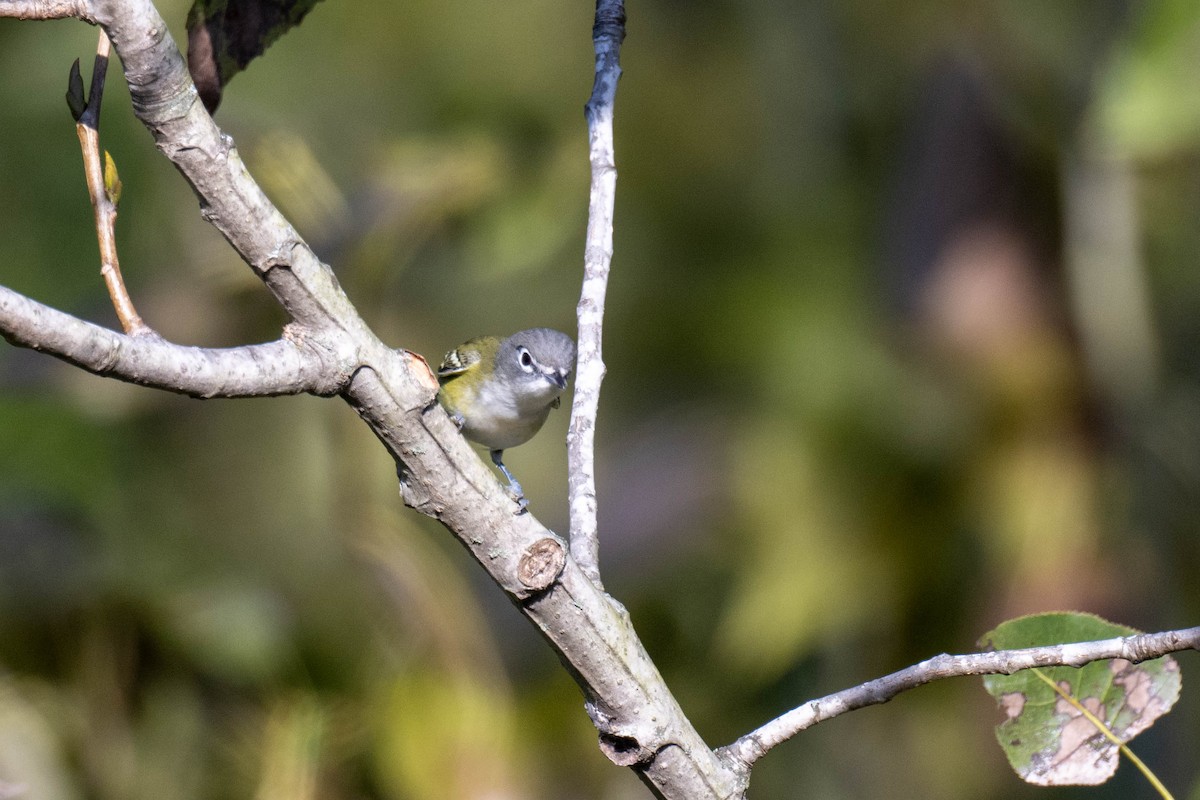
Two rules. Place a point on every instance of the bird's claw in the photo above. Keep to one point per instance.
(518, 494)
(514, 488)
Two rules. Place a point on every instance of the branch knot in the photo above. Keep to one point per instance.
(541, 564)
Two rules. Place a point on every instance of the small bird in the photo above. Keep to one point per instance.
(500, 391)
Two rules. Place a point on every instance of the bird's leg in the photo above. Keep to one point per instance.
(458, 419)
(513, 486)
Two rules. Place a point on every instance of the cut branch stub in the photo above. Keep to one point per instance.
(541, 564)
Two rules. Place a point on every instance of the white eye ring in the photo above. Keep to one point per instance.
(524, 359)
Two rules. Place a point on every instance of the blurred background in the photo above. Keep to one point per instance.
(901, 337)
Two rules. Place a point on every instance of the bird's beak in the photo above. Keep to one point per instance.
(558, 378)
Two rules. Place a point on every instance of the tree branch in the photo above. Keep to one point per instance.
(105, 196)
(1141, 647)
(328, 348)
(607, 34)
(289, 366)
(641, 725)
(46, 9)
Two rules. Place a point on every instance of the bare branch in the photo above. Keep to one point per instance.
(1140, 647)
(287, 366)
(104, 197)
(641, 725)
(166, 101)
(46, 9)
(607, 34)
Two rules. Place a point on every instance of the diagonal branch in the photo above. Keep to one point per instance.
(1141, 647)
(607, 35)
(287, 366)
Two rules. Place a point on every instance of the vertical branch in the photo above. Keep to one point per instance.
(607, 34)
(104, 189)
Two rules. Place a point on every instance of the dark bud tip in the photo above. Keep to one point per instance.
(75, 99)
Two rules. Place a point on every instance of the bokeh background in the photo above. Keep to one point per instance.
(901, 336)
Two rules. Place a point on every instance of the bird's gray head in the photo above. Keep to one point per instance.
(540, 358)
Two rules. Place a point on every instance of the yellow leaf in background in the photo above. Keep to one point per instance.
(810, 572)
(1145, 101)
(445, 736)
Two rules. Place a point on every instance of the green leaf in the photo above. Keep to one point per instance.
(1146, 98)
(112, 181)
(1050, 742)
(75, 99)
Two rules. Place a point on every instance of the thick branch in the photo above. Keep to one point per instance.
(607, 35)
(1141, 647)
(46, 9)
(284, 367)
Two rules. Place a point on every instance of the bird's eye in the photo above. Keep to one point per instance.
(524, 359)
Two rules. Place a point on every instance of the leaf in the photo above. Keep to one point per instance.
(226, 35)
(75, 99)
(112, 181)
(1146, 98)
(1050, 742)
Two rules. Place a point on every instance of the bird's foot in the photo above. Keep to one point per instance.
(514, 488)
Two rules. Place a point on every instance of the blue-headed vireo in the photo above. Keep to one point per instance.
(500, 391)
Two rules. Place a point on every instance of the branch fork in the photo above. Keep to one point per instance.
(328, 349)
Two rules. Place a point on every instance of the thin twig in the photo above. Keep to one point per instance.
(103, 202)
(1138, 648)
(607, 34)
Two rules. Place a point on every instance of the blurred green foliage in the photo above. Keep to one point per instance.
(851, 418)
